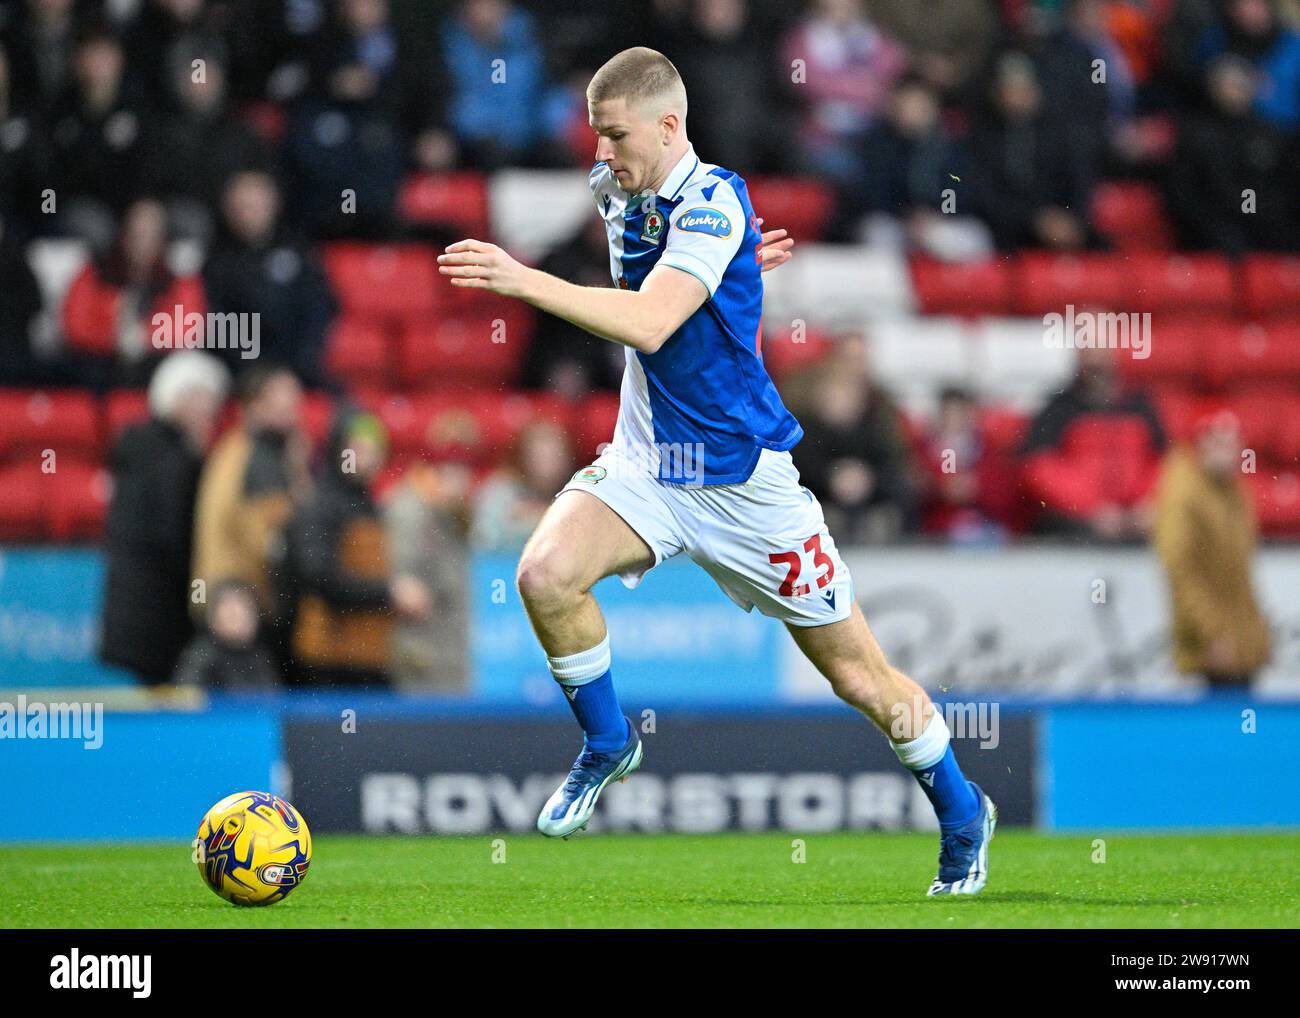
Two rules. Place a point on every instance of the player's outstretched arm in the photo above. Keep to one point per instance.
(642, 319)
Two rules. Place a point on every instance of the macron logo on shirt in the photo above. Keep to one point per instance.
(705, 220)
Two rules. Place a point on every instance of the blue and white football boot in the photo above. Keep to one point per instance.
(570, 808)
(964, 853)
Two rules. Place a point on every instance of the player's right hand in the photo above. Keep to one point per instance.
(476, 264)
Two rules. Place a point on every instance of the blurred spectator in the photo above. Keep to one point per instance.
(97, 141)
(24, 155)
(427, 519)
(227, 657)
(911, 160)
(259, 266)
(853, 455)
(256, 475)
(843, 67)
(200, 144)
(971, 490)
(19, 364)
(1220, 153)
(1205, 530)
(147, 539)
(562, 357)
(500, 107)
(346, 139)
(1092, 454)
(950, 46)
(167, 34)
(1069, 66)
(715, 56)
(113, 310)
(1252, 29)
(340, 570)
(41, 41)
(1033, 174)
(510, 504)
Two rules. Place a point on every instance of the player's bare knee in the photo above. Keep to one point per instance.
(546, 577)
(860, 683)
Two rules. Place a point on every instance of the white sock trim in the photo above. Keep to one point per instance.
(583, 667)
(928, 749)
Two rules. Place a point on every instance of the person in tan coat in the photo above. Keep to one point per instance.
(255, 476)
(1205, 533)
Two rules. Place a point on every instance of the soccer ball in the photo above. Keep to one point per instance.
(253, 848)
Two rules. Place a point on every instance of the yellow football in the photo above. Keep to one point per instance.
(253, 848)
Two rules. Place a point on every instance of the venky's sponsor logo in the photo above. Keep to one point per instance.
(705, 220)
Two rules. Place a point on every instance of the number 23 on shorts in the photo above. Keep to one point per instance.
(791, 587)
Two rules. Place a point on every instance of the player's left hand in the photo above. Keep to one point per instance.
(777, 245)
(477, 265)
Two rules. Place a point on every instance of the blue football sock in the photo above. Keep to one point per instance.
(588, 685)
(931, 759)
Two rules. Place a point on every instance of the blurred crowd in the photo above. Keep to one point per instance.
(257, 130)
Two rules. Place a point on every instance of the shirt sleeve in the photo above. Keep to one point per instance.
(704, 233)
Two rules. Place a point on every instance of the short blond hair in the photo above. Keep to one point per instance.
(640, 75)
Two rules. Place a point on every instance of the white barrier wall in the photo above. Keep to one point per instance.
(1042, 620)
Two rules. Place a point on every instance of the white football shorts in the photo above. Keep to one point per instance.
(763, 541)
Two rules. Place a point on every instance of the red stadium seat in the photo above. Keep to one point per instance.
(34, 420)
(1271, 285)
(458, 201)
(1003, 430)
(1177, 354)
(782, 356)
(1250, 352)
(1131, 216)
(1263, 415)
(1191, 283)
(594, 423)
(316, 418)
(385, 281)
(358, 352)
(1276, 495)
(1179, 411)
(24, 510)
(474, 426)
(1047, 282)
(1287, 444)
(803, 207)
(79, 503)
(467, 351)
(962, 288)
(123, 408)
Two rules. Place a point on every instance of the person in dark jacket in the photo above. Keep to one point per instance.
(19, 364)
(228, 657)
(258, 266)
(853, 456)
(338, 568)
(155, 467)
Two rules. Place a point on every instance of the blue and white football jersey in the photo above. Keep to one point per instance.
(702, 408)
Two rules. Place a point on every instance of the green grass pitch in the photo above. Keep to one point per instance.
(845, 880)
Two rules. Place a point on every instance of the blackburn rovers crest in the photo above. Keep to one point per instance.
(653, 227)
